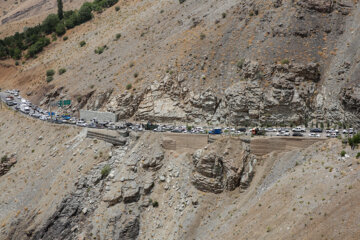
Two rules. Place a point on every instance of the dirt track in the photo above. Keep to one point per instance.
(263, 146)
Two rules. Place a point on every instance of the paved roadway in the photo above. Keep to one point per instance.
(3, 95)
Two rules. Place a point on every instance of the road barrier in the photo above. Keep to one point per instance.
(110, 138)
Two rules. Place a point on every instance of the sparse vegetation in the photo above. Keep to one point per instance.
(49, 78)
(62, 71)
(342, 153)
(285, 61)
(129, 86)
(354, 141)
(105, 171)
(100, 50)
(50, 72)
(155, 204)
(82, 43)
(240, 63)
(4, 158)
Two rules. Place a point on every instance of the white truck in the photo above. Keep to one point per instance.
(299, 129)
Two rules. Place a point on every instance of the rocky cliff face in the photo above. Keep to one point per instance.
(224, 165)
(289, 81)
(278, 93)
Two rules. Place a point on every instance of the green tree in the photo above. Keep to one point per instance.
(60, 9)
(49, 24)
(85, 12)
(60, 29)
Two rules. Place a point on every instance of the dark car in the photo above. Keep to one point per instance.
(316, 130)
(242, 129)
(298, 134)
(10, 103)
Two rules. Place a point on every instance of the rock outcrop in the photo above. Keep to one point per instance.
(222, 166)
(279, 93)
(6, 163)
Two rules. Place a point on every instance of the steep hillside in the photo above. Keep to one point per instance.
(222, 190)
(209, 61)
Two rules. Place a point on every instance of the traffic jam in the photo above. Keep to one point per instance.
(14, 100)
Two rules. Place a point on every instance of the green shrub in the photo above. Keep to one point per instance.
(117, 8)
(100, 50)
(85, 12)
(82, 43)
(37, 46)
(155, 204)
(65, 38)
(358, 155)
(136, 75)
(49, 24)
(16, 63)
(49, 78)
(181, 1)
(62, 71)
(60, 29)
(354, 141)
(342, 153)
(117, 36)
(53, 37)
(129, 86)
(285, 61)
(202, 36)
(105, 171)
(50, 72)
(240, 63)
(223, 15)
(4, 159)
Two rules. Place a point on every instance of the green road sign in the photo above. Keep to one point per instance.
(63, 103)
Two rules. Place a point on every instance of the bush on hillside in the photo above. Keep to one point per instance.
(105, 171)
(60, 29)
(62, 71)
(50, 72)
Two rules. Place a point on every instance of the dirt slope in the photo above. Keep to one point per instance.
(49, 159)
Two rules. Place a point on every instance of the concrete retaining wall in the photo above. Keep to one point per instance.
(100, 116)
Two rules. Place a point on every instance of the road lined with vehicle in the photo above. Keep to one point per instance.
(13, 99)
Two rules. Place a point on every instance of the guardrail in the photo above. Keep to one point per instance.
(117, 141)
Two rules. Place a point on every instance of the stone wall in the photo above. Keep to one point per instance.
(100, 116)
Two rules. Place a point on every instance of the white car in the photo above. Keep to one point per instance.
(81, 123)
(43, 117)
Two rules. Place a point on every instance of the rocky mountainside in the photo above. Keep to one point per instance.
(214, 62)
(81, 188)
